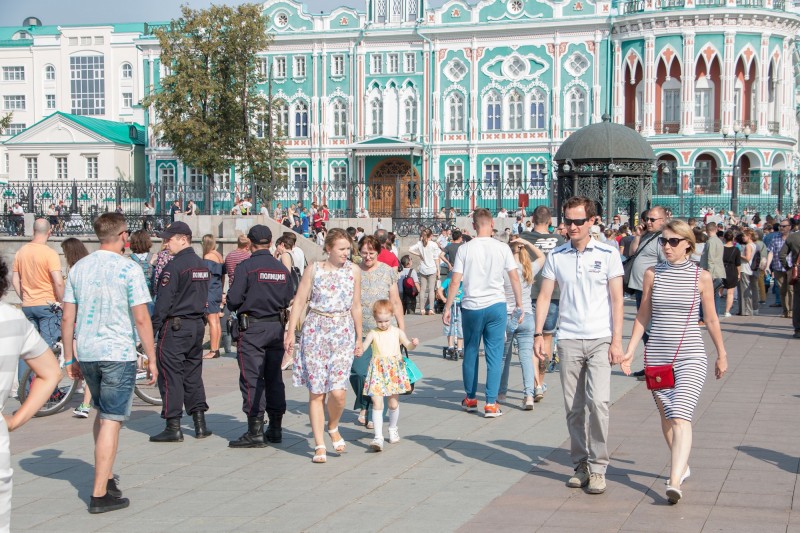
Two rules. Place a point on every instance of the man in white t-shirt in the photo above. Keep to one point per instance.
(589, 274)
(478, 269)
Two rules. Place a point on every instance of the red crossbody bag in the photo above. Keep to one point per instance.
(663, 376)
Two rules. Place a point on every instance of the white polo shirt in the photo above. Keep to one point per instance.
(585, 306)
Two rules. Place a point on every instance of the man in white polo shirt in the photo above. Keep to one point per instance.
(589, 274)
(480, 264)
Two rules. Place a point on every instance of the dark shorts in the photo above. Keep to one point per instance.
(551, 322)
(111, 384)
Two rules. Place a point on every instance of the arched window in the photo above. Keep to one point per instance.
(339, 119)
(493, 111)
(281, 114)
(50, 73)
(515, 115)
(127, 71)
(376, 115)
(538, 110)
(455, 104)
(576, 108)
(166, 177)
(704, 104)
(410, 111)
(301, 119)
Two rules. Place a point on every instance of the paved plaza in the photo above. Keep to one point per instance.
(451, 470)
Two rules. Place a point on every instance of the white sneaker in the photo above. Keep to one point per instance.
(727, 315)
(376, 444)
(394, 436)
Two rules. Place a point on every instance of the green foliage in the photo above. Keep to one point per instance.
(209, 104)
(5, 122)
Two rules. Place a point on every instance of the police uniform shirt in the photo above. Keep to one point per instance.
(261, 286)
(182, 288)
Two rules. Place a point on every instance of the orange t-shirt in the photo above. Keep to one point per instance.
(34, 262)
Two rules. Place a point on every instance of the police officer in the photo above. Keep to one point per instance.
(178, 321)
(261, 290)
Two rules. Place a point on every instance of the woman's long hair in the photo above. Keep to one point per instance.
(74, 251)
(425, 236)
(525, 263)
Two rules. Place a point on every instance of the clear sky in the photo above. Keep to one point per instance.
(54, 12)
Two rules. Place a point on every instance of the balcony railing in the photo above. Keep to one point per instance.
(706, 125)
(710, 3)
(672, 4)
(750, 3)
(664, 128)
(632, 6)
(774, 127)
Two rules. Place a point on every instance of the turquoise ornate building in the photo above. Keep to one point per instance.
(406, 109)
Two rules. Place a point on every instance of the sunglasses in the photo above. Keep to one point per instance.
(673, 241)
(123, 231)
(577, 221)
(785, 226)
(651, 219)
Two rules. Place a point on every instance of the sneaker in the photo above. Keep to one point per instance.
(581, 476)
(377, 444)
(527, 403)
(686, 475)
(394, 436)
(107, 503)
(538, 393)
(492, 410)
(469, 404)
(597, 483)
(727, 315)
(82, 411)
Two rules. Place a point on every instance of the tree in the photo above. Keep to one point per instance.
(209, 103)
(5, 122)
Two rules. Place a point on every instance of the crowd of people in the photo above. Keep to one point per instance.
(539, 288)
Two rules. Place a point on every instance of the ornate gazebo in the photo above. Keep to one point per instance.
(610, 163)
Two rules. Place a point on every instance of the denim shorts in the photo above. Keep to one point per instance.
(551, 322)
(111, 384)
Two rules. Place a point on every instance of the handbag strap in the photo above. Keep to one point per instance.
(642, 247)
(685, 326)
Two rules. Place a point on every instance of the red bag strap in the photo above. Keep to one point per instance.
(686, 326)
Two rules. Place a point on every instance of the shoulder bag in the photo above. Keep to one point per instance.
(663, 376)
(627, 266)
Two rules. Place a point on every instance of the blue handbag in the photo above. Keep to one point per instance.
(413, 372)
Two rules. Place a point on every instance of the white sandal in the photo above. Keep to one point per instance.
(321, 458)
(339, 445)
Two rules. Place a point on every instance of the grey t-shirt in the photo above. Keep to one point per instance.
(546, 242)
(647, 256)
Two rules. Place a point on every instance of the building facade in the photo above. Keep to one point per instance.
(406, 109)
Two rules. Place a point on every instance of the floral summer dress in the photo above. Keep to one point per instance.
(329, 335)
(387, 370)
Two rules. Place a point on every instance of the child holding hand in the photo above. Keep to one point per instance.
(387, 375)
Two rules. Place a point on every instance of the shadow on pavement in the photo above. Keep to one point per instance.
(781, 460)
(49, 464)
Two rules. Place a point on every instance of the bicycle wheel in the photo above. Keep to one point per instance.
(145, 392)
(58, 399)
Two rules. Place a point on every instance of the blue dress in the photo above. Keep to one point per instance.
(214, 285)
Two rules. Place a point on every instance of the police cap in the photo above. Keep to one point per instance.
(176, 228)
(260, 234)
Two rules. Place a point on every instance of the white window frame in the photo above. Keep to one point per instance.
(456, 106)
(301, 118)
(671, 102)
(282, 118)
(32, 168)
(127, 100)
(15, 128)
(194, 179)
(339, 118)
(376, 115)
(299, 67)
(514, 172)
(516, 111)
(14, 102)
(14, 73)
(92, 167)
(49, 73)
(166, 177)
(393, 64)
(454, 173)
(491, 174)
(410, 114)
(126, 71)
(300, 175)
(537, 174)
(48, 99)
(577, 108)
(338, 176)
(279, 67)
(376, 63)
(62, 167)
(337, 65)
(410, 62)
(538, 109)
(261, 67)
(494, 111)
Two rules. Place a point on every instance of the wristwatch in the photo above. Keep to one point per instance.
(538, 335)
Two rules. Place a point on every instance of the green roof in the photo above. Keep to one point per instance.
(382, 140)
(117, 132)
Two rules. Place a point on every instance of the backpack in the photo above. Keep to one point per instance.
(409, 287)
(755, 262)
(147, 270)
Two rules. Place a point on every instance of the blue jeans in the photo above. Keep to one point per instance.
(488, 324)
(551, 321)
(717, 283)
(111, 384)
(524, 337)
(47, 323)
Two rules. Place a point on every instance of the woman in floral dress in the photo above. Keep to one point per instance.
(331, 337)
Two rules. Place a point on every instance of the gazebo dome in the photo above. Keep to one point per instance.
(605, 141)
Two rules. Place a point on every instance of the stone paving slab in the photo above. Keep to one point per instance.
(451, 470)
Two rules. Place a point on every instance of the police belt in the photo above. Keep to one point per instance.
(271, 318)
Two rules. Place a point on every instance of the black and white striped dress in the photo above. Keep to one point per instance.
(676, 298)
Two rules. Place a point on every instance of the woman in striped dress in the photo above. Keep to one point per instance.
(672, 294)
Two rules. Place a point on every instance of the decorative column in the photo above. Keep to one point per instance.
(555, 50)
(687, 85)
(727, 77)
(786, 108)
(762, 105)
(594, 48)
(649, 107)
(618, 111)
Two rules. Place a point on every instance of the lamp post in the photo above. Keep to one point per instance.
(736, 133)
